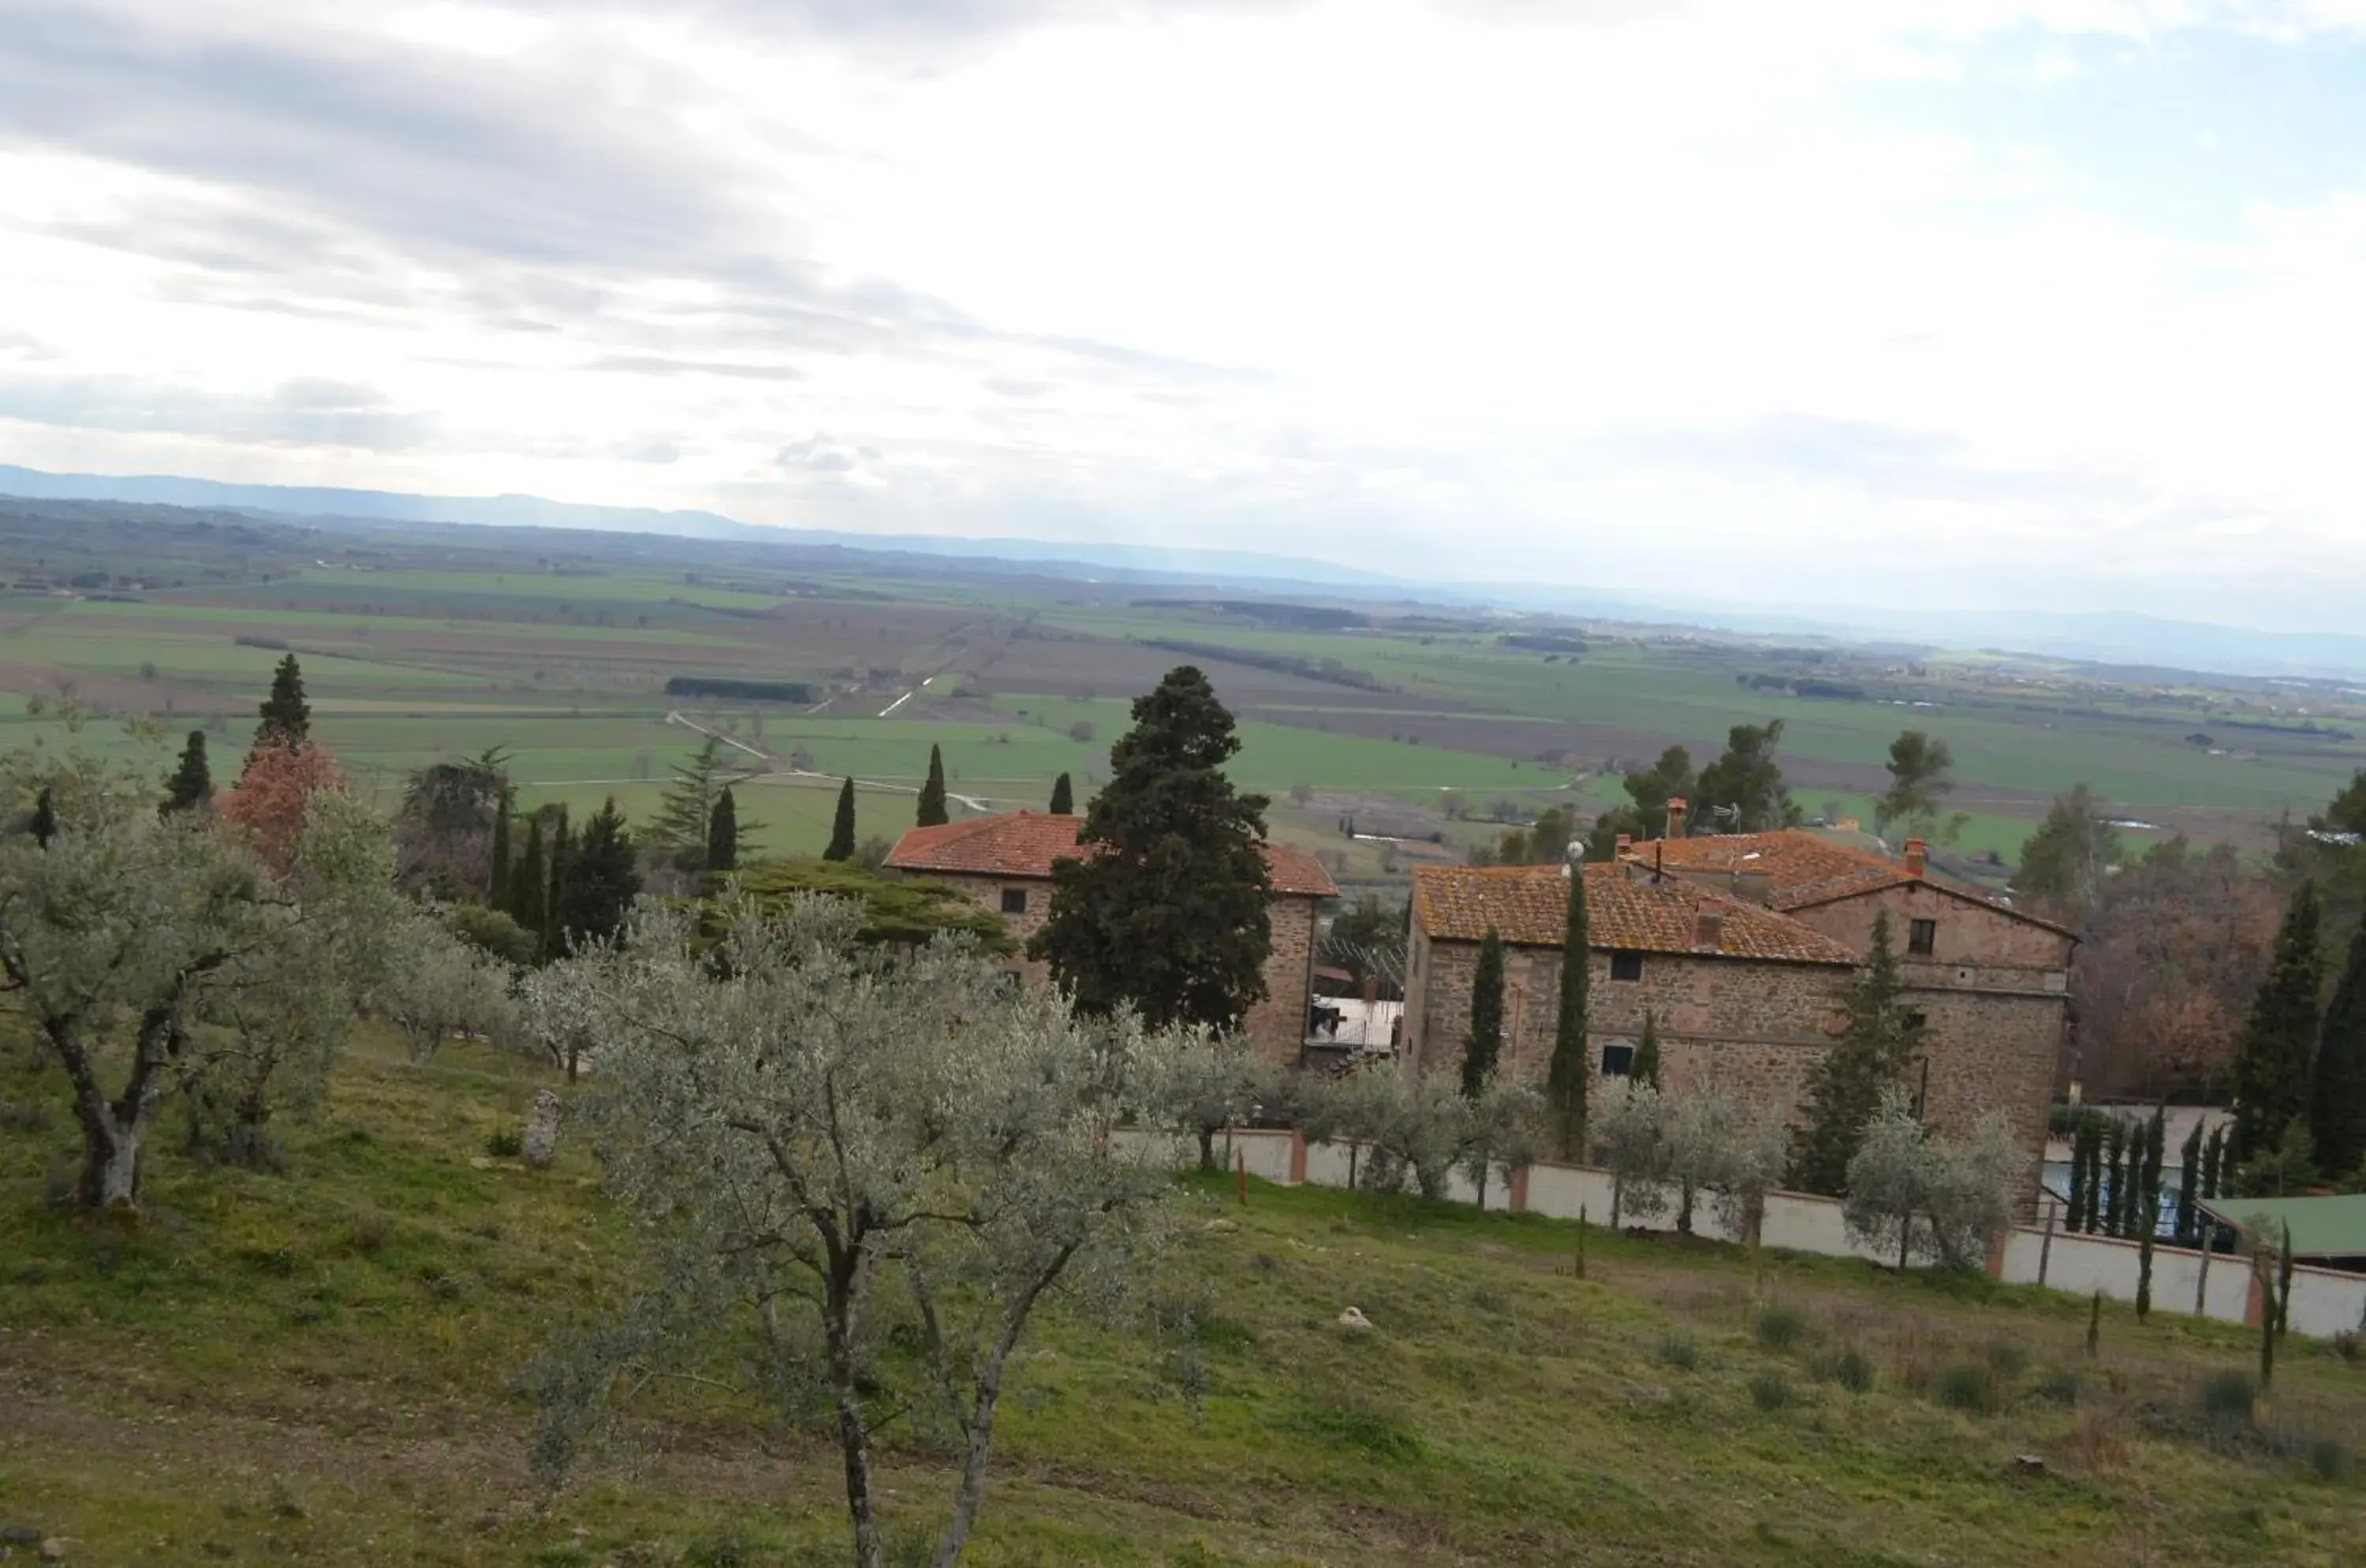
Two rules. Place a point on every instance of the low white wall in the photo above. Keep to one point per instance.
(2325, 1302)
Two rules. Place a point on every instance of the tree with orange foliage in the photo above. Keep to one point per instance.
(274, 791)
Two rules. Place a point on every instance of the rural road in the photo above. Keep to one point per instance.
(773, 770)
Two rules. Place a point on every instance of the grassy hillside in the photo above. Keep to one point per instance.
(316, 1369)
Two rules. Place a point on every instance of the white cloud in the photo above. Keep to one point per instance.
(1487, 293)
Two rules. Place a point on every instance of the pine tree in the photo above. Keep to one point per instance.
(602, 878)
(286, 716)
(932, 794)
(685, 814)
(192, 783)
(2189, 1185)
(497, 889)
(2280, 1040)
(1570, 1074)
(1165, 906)
(529, 882)
(1646, 1065)
(1064, 797)
(44, 826)
(1845, 1088)
(2337, 1104)
(1485, 1046)
(554, 900)
(723, 833)
(842, 830)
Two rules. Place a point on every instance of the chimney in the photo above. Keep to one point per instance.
(1626, 843)
(1709, 925)
(1917, 854)
(1676, 808)
(1371, 989)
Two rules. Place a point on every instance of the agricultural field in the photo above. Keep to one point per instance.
(556, 649)
(319, 1367)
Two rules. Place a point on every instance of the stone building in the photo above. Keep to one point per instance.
(1004, 863)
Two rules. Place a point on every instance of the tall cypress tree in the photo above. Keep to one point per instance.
(44, 826)
(2188, 1184)
(2338, 1100)
(529, 880)
(1871, 1054)
(601, 881)
(1646, 1065)
(932, 794)
(1485, 1046)
(842, 830)
(1064, 797)
(2115, 1165)
(723, 833)
(2146, 1219)
(286, 716)
(192, 783)
(1165, 906)
(2280, 1039)
(1571, 1073)
(554, 901)
(2074, 1194)
(497, 887)
(2214, 1161)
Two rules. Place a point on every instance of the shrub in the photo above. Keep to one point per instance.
(1679, 1351)
(1769, 1391)
(2229, 1395)
(1780, 1327)
(505, 1143)
(1968, 1385)
(2328, 1458)
(2348, 1345)
(2059, 1386)
(1847, 1368)
(2008, 1358)
(371, 1234)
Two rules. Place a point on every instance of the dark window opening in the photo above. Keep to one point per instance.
(1008, 981)
(1014, 900)
(1918, 1021)
(1626, 966)
(1617, 1061)
(1922, 938)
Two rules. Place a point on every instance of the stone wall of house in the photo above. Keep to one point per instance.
(987, 892)
(1277, 1025)
(1983, 945)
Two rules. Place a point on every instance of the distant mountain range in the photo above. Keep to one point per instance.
(2105, 638)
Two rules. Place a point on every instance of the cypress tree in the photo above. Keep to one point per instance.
(2083, 1134)
(723, 833)
(554, 901)
(2091, 1216)
(2280, 1040)
(192, 783)
(1165, 906)
(1845, 1090)
(932, 794)
(602, 878)
(2147, 1217)
(842, 830)
(2072, 1200)
(2338, 1100)
(2189, 1185)
(1485, 1046)
(44, 825)
(529, 882)
(2214, 1160)
(1064, 797)
(1571, 1073)
(1646, 1067)
(497, 888)
(286, 717)
(2115, 1163)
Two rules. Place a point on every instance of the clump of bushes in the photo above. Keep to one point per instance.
(1968, 1385)
(2059, 1386)
(1848, 1367)
(1678, 1350)
(2227, 1397)
(505, 1143)
(1780, 1327)
(1769, 1391)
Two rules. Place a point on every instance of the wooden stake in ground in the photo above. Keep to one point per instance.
(1581, 1241)
(1240, 1172)
(2095, 1324)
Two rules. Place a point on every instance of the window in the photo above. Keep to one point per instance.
(1617, 1061)
(1014, 900)
(1626, 966)
(1921, 938)
(1918, 1021)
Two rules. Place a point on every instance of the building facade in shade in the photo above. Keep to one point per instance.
(1004, 863)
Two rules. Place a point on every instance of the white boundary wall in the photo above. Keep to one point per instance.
(2325, 1302)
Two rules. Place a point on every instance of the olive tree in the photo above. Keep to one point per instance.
(1216, 1082)
(1750, 1166)
(1961, 1190)
(1629, 1136)
(439, 984)
(859, 1173)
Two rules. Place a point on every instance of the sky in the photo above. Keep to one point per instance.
(2046, 304)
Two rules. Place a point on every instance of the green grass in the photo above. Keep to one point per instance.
(317, 1368)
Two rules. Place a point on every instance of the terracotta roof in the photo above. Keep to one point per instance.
(1527, 905)
(1025, 843)
(1804, 869)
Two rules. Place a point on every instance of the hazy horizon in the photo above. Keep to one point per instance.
(1933, 310)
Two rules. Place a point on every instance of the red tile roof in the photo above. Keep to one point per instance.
(1526, 905)
(1804, 869)
(1025, 843)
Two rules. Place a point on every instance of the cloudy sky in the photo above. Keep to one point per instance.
(1963, 302)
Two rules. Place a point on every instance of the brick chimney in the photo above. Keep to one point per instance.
(1677, 805)
(1709, 925)
(1917, 856)
(1626, 843)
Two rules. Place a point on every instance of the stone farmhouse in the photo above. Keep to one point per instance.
(1741, 945)
(1004, 863)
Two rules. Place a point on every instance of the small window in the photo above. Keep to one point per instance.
(1918, 1021)
(1922, 938)
(1014, 900)
(1626, 966)
(1617, 1061)
(1008, 982)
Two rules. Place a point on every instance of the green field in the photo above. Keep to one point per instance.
(318, 1367)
